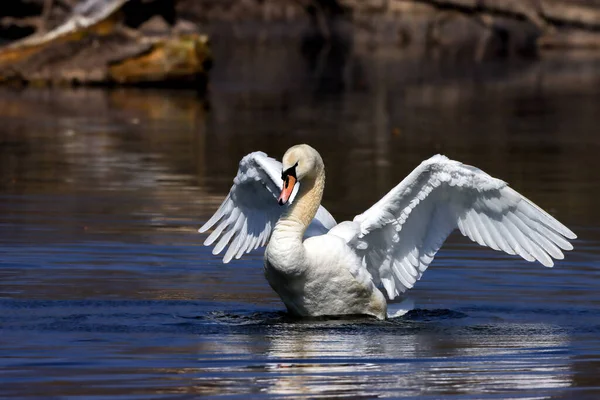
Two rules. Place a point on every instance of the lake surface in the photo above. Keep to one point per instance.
(107, 292)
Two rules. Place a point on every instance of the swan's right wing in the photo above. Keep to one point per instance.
(247, 216)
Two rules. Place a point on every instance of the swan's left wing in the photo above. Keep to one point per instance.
(247, 216)
(398, 237)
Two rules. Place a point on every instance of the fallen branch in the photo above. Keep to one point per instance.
(28, 22)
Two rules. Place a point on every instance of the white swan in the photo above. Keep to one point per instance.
(320, 268)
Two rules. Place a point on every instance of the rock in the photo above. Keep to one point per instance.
(112, 59)
(182, 59)
(185, 26)
(155, 26)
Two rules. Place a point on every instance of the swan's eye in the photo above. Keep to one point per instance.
(289, 172)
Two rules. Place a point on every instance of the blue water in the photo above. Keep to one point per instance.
(106, 291)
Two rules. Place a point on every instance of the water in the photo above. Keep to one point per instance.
(106, 290)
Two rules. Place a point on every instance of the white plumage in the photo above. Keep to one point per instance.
(389, 246)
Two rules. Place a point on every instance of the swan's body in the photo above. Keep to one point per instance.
(320, 268)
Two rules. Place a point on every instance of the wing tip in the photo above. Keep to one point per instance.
(204, 228)
(549, 263)
(562, 229)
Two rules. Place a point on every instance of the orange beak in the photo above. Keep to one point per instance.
(288, 187)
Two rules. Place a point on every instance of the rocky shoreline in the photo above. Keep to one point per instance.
(157, 42)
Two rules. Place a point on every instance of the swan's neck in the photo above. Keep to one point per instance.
(294, 222)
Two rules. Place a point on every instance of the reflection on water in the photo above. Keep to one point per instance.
(317, 362)
(107, 291)
(421, 362)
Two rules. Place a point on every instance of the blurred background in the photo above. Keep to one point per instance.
(122, 124)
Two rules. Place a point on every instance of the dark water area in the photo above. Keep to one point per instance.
(107, 292)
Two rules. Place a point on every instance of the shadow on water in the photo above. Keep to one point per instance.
(107, 291)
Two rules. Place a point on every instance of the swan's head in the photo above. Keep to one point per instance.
(299, 162)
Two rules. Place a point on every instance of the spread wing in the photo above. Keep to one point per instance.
(247, 216)
(398, 237)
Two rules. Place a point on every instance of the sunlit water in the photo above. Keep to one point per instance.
(106, 290)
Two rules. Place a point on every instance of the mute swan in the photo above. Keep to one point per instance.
(320, 268)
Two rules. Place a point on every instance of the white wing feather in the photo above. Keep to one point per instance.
(398, 237)
(247, 216)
